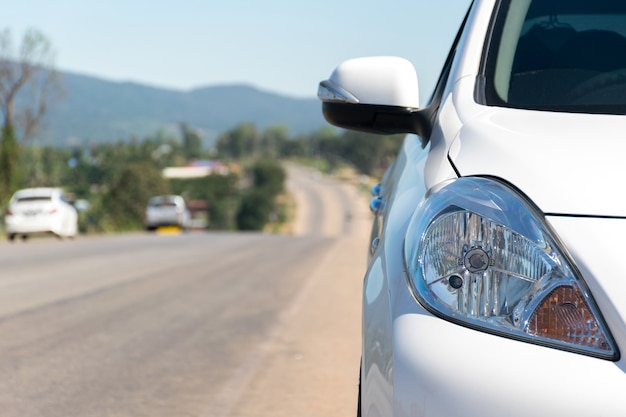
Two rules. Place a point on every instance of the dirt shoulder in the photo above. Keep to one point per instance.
(310, 366)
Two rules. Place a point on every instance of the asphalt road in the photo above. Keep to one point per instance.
(198, 324)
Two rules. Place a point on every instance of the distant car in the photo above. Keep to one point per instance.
(494, 284)
(40, 210)
(166, 210)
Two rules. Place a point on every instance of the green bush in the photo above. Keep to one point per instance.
(125, 202)
(254, 210)
(269, 176)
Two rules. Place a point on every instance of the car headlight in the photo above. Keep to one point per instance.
(479, 254)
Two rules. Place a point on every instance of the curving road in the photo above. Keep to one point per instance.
(200, 324)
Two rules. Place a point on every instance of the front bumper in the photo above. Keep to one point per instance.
(442, 369)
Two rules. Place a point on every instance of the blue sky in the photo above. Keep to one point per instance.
(281, 46)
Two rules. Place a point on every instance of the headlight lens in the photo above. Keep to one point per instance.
(480, 255)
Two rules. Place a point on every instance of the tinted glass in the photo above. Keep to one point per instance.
(34, 198)
(559, 55)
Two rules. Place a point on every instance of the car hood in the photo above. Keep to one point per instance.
(566, 163)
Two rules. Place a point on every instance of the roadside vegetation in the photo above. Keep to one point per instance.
(112, 182)
(117, 180)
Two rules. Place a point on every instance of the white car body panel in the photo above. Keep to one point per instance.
(520, 146)
(478, 375)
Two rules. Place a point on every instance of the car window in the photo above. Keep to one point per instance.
(164, 202)
(33, 198)
(559, 55)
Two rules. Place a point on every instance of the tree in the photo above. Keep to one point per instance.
(192, 142)
(240, 142)
(130, 191)
(272, 140)
(368, 152)
(317, 139)
(28, 83)
(258, 202)
(254, 210)
(269, 176)
(9, 154)
(219, 191)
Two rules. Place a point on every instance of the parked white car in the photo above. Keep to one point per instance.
(495, 284)
(40, 210)
(167, 210)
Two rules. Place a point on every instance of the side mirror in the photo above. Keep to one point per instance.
(374, 94)
(378, 80)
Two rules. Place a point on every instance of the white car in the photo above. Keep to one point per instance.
(40, 210)
(167, 210)
(495, 284)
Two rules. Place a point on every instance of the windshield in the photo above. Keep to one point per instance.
(559, 55)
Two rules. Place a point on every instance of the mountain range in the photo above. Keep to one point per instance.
(93, 110)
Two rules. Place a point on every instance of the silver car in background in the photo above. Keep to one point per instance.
(167, 210)
(40, 210)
